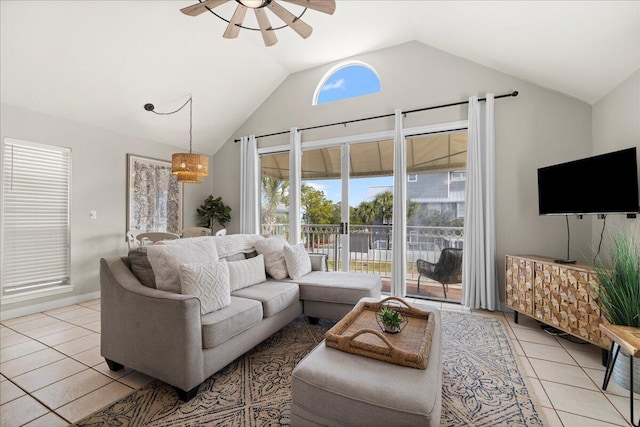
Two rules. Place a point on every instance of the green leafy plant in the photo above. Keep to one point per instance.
(390, 318)
(619, 286)
(213, 210)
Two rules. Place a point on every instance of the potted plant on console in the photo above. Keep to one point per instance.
(619, 294)
(213, 211)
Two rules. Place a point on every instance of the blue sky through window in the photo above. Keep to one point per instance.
(349, 82)
(358, 187)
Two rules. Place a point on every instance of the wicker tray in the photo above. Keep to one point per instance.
(358, 333)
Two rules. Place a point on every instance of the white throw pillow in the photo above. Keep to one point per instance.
(297, 260)
(273, 250)
(209, 283)
(165, 260)
(246, 272)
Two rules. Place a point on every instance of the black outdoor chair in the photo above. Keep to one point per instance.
(447, 270)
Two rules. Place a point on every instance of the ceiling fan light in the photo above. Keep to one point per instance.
(253, 4)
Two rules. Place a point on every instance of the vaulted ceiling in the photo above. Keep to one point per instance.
(99, 62)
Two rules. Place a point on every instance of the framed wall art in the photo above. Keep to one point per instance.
(154, 196)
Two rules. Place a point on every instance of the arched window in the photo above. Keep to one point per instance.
(347, 80)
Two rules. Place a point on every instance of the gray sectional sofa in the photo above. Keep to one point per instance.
(164, 335)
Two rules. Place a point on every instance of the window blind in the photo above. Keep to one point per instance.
(36, 181)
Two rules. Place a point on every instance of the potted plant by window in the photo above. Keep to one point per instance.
(390, 320)
(618, 290)
(213, 211)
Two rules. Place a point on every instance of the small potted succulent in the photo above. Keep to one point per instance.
(390, 320)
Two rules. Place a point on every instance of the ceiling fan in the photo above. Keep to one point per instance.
(259, 6)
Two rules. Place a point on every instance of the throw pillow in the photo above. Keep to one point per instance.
(209, 283)
(246, 272)
(166, 259)
(297, 260)
(273, 250)
(141, 267)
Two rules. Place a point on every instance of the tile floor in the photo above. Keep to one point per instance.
(51, 372)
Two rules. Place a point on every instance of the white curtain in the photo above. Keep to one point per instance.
(249, 186)
(479, 260)
(295, 178)
(399, 253)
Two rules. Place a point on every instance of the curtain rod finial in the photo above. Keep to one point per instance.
(149, 107)
(515, 93)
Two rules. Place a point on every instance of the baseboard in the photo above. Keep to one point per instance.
(49, 305)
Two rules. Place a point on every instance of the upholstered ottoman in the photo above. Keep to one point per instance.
(334, 388)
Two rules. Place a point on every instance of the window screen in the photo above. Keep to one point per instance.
(35, 216)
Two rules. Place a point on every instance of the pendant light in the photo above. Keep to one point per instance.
(190, 168)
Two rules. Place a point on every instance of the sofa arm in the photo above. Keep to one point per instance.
(318, 262)
(155, 332)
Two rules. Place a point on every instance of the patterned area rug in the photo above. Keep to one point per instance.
(482, 383)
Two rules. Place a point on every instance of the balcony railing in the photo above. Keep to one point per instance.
(370, 246)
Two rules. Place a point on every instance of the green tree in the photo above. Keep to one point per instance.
(383, 207)
(316, 208)
(274, 193)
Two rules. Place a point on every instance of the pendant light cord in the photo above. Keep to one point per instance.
(190, 102)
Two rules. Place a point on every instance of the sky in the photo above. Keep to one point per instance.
(349, 82)
(358, 187)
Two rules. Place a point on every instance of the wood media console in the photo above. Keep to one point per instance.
(558, 295)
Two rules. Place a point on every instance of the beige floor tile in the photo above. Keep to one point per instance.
(32, 361)
(57, 311)
(67, 335)
(547, 352)
(579, 346)
(92, 317)
(588, 359)
(562, 373)
(79, 345)
(136, 380)
(17, 320)
(91, 357)
(515, 344)
(13, 339)
(41, 377)
(20, 350)
(612, 388)
(526, 365)
(2, 378)
(454, 307)
(75, 313)
(622, 405)
(537, 336)
(48, 420)
(6, 332)
(35, 324)
(94, 326)
(49, 330)
(435, 304)
(71, 388)
(523, 321)
(539, 393)
(552, 417)
(580, 401)
(9, 391)
(573, 420)
(97, 399)
(90, 303)
(21, 411)
(104, 369)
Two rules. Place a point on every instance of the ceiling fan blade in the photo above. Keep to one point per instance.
(291, 20)
(268, 35)
(324, 6)
(233, 29)
(198, 8)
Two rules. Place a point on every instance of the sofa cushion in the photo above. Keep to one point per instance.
(209, 283)
(274, 296)
(297, 260)
(226, 323)
(273, 250)
(141, 267)
(246, 272)
(235, 257)
(338, 286)
(166, 259)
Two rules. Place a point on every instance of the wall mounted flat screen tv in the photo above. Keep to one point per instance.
(602, 184)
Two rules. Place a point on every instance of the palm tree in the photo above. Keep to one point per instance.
(274, 192)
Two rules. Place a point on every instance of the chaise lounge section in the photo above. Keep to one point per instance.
(164, 334)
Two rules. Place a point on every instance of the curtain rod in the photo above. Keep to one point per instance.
(506, 95)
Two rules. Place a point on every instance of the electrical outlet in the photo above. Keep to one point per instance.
(93, 214)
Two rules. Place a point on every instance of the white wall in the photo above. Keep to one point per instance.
(616, 125)
(99, 164)
(538, 128)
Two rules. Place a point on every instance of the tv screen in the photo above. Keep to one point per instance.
(602, 184)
